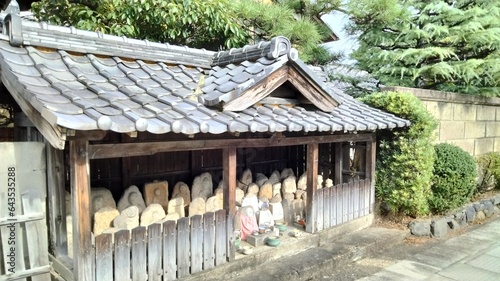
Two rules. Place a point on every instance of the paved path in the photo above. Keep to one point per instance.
(473, 256)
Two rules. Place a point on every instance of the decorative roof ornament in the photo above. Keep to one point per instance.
(13, 8)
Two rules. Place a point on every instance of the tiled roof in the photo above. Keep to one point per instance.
(83, 80)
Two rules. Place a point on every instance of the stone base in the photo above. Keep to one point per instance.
(258, 240)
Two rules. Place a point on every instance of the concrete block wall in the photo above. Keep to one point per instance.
(470, 122)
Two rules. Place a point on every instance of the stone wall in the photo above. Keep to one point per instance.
(470, 122)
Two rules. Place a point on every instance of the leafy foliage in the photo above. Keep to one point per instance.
(210, 24)
(489, 171)
(405, 156)
(437, 44)
(454, 179)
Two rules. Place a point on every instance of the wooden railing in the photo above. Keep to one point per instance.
(342, 203)
(166, 250)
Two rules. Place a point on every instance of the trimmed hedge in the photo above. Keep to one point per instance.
(454, 179)
(405, 156)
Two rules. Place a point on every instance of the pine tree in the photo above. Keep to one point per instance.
(438, 44)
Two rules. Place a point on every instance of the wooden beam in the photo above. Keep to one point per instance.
(312, 182)
(339, 164)
(258, 92)
(311, 92)
(371, 154)
(101, 151)
(229, 179)
(93, 135)
(80, 195)
(56, 196)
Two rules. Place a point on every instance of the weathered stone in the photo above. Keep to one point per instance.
(328, 183)
(302, 182)
(496, 209)
(265, 217)
(480, 216)
(277, 210)
(197, 207)
(176, 205)
(460, 217)
(287, 172)
(277, 189)
(495, 200)
(153, 213)
(131, 197)
(253, 188)
(304, 198)
(299, 193)
(212, 204)
(251, 200)
(276, 198)
(202, 186)
(478, 206)
(263, 202)
(289, 196)
(439, 228)
(275, 177)
(239, 195)
(320, 181)
(101, 197)
(103, 219)
(128, 218)
(219, 194)
(246, 177)
(266, 190)
(488, 209)
(241, 186)
(260, 179)
(156, 193)
(171, 217)
(298, 208)
(470, 214)
(421, 228)
(181, 189)
(289, 185)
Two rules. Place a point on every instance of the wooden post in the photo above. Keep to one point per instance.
(229, 178)
(312, 181)
(371, 150)
(80, 194)
(56, 196)
(338, 163)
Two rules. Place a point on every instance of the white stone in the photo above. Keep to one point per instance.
(212, 204)
(277, 189)
(202, 186)
(289, 196)
(289, 185)
(176, 205)
(181, 189)
(128, 218)
(103, 219)
(320, 181)
(277, 210)
(287, 172)
(131, 197)
(266, 217)
(101, 197)
(328, 183)
(152, 214)
(260, 179)
(302, 182)
(253, 188)
(299, 193)
(239, 194)
(275, 177)
(197, 207)
(246, 177)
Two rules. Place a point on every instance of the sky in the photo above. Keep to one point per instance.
(346, 43)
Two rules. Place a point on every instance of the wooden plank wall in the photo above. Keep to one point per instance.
(166, 250)
(342, 203)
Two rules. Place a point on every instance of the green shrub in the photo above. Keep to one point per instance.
(454, 179)
(405, 156)
(489, 171)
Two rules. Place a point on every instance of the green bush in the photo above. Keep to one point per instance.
(454, 179)
(489, 171)
(405, 156)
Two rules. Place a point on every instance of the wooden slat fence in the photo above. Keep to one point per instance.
(23, 238)
(342, 203)
(166, 250)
